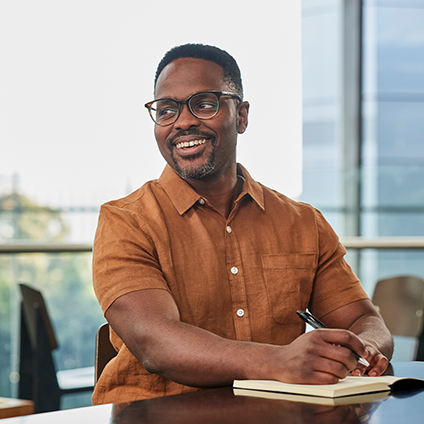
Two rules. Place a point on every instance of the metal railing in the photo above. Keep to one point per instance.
(360, 243)
(14, 248)
(356, 243)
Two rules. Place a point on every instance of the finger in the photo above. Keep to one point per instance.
(336, 365)
(359, 370)
(322, 377)
(379, 367)
(378, 361)
(344, 338)
(338, 354)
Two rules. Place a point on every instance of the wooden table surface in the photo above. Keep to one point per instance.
(15, 407)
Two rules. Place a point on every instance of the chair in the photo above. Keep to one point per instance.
(39, 380)
(400, 301)
(104, 350)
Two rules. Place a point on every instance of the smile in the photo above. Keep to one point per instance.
(190, 143)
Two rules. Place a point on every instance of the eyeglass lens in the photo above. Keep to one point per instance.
(202, 105)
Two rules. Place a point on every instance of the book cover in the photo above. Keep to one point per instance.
(318, 400)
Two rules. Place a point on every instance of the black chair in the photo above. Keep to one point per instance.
(39, 380)
(400, 301)
(104, 350)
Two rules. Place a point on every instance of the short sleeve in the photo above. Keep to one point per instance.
(335, 283)
(124, 256)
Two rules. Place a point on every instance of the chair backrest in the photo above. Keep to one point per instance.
(400, 301)
(31, 300)
(38, 380)
(104, 350)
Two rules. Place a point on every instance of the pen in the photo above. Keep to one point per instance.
(316, 323)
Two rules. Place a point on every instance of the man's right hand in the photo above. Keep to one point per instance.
(320, 357)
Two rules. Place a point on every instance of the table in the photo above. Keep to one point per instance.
(220, 406)
(15, 407)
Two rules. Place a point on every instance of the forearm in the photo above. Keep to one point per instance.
(149, 324)
(195, 357)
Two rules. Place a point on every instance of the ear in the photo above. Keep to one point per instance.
(243, 113)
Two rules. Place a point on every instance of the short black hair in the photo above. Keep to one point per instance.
(228, 64)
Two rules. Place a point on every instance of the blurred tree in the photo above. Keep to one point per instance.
(63, 278)
(5, 339)
(22, 219)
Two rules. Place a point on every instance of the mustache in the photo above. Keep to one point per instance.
(193, 131)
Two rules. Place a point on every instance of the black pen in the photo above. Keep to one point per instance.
(316, 323)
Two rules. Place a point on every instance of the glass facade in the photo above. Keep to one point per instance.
(391, 171)
(321, 28)
(390, 178)
(393, 132)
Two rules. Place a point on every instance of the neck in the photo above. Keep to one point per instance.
(221, 193)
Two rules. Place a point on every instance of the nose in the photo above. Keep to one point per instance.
(186, 119)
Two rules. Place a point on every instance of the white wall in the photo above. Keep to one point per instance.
(75, 74)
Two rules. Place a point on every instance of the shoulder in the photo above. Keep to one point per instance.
(293, 214)
(275, 200)
(134, 201)
(272, 200)
(131, 215)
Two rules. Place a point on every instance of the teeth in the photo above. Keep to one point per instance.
(190, 143)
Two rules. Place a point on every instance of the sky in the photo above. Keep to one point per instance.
(74, 77)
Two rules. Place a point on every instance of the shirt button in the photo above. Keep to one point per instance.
(240, 312)
(202, 201)
(234, 270)
(229, 230)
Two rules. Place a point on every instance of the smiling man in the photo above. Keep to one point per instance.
(200, 272)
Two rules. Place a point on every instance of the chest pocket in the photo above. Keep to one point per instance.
(289, 281)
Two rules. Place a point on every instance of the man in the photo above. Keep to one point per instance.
(200, 272)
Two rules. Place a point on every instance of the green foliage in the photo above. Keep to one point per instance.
(64, 279)
(22, 219)
(5, 325)
(73, 308)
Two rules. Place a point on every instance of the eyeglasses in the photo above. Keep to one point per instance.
(203, 105)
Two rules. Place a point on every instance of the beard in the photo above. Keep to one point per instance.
(192, 171)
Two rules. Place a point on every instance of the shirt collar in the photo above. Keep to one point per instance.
(184, 197)
(251, 187)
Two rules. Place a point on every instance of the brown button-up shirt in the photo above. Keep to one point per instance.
(242, 278)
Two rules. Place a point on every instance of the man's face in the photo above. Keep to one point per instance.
(212, 142)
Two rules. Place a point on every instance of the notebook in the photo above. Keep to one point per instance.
(347, 387)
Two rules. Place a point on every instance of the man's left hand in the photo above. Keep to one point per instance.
(378, 362)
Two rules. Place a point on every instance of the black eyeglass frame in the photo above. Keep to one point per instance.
(218, 94)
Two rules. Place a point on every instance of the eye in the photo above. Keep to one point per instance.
(204, 104)
(207, 106)
(165, 109)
